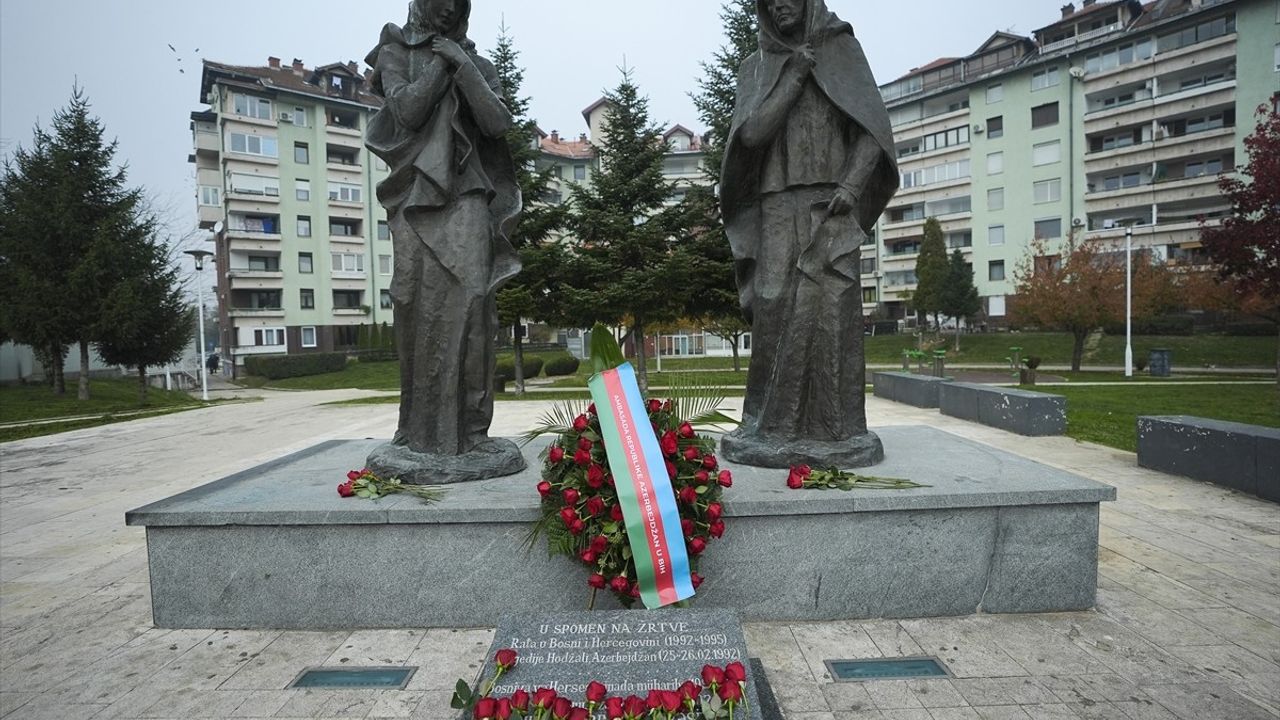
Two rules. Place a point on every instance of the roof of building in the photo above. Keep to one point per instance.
(925, 68)
(580, 149)
(586, 113)
(294, 77)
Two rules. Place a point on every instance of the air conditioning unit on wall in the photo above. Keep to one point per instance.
(286, 118)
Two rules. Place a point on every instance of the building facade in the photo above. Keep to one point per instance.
(1116, 115)
(302, 248)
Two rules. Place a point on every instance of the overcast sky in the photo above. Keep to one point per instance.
(118, 50)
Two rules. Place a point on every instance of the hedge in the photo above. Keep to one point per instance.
(561, 365)
(278, 367)
(1251, 329)
(1162, 325)
(507, 368)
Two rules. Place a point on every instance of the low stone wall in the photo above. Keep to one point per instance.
(908, 388)
(1019, 411)
(1234, 455)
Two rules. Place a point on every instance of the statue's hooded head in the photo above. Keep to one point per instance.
(440, 17)
(784, 24)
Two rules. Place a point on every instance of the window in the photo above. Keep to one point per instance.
(1047, 191)
(348, 262)
(1197, 33)
(1042, 264)
(1049, 229)
(302, 189)
(995, 270)
(254, 107)
(1118, 56)
(868, 295)
(268, 337)
(936, 141)
(996, 306)
(384, 230)
(210, 196)
(995, 235)
(265, 224)
(995, 127)
(254, 145)
(307, 298)
(936, 174)
(308, 337)
(384, 264)
(579, 172)
(1046, 153)
(995, 163)
(344, 192)
(1044, 115)
(299, 117)
(346, 299)
(995, 199)
(1126, 180)
(995, 93)
(950, 206)
(868, 266)
(301, 154)
(344, 228)
(304, 226)
(1046, 78)
(384, 299)
(264, 263)
(305, 264)
(907, 213)
(245, 184)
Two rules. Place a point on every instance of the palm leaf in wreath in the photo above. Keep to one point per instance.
(558, 420)
(699, 400)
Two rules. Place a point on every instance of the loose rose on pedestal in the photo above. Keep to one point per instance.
(803, 477)
(364, 484)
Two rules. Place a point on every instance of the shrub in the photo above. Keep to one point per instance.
(506, 369)
(532, 366)
(278, 367)
(1251, 329)
(1160, 325)
(562, 364)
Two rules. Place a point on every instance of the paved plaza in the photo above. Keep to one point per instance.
(1187, 624)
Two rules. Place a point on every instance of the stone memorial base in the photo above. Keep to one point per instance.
(498, 457)
(275, 547)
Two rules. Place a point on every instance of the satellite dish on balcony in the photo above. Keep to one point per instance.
(217, 228)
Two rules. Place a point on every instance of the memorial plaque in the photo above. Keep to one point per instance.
(630, 651)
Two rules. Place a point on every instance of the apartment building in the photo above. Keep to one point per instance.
(302, 248)
(1115, 115)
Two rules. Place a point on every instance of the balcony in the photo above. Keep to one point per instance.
(1172, 190)
(346, 136)
(934, 191)
(1081, 38)
(209, 215)
(929, 124)
(910, 228)
(1163, 106)
(346, 240)
(350, 312)
(257, 198)
(208, 144)
(255, 235)
(1164, 150)
(245, 279)
(256, 312)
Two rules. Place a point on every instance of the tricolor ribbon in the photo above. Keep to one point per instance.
(644, 489)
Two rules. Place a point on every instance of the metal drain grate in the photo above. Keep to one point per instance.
(371, 678)
(887, 669)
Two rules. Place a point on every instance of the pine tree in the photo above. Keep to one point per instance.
(626, 270)
(530, 295)
(931, 271)
(959, 297)
(714, 298)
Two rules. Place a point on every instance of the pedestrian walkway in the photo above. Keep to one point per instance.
(1187, 625)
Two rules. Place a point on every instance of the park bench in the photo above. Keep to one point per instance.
(917, 390)
(1235, 455)
(1019, 411)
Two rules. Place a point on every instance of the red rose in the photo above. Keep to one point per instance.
(712, 676)
(485, 708)
(655, 406)
(581, 423)
(671, 701)
(582, 457)
(795, 481)
(577, 527)
(543, 698)
(561, 708)
(735, 672)
(613, 709)
(669, 443)
(353, 475)
(731, 692)
(615, 513)
(690, 691)
(568, 515)
(717, 529)
(597, 581)
(715, 511)
(505, 658)
(654, 700)
(686, 431)
(595, 476)
(346, 490)
(579, 713)
(544, 488)
(726, 478)
(688, 495)
(588, 556)
(668, 406)
(520, 700)
(671, 470)
(504, 709)
(686, 526)
(591, 409)
(701, 477)
(556, 454)
(571, 497)
(697, 545)
(805, 471)
(691, 453)
(619, 584)
(585, 444)
(696, 579)
(635, 707)
(634, 591)
(709, 462)
(600, 543)
(596, 691)
(595, 505)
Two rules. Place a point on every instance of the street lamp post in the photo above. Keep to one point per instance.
(1128, 302)
(199, 256)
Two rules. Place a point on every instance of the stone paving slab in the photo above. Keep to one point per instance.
(1189, 626)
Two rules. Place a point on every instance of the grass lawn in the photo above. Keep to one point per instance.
(1109, 415)
(108, 400)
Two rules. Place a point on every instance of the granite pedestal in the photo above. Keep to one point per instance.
(275, 547)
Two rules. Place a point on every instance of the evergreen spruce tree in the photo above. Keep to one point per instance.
(931, 272)
(530, 294)
(959, 297)
(626, 271)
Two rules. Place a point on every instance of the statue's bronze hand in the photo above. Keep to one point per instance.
(803, 58)
(449, 50)
(843, 203)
